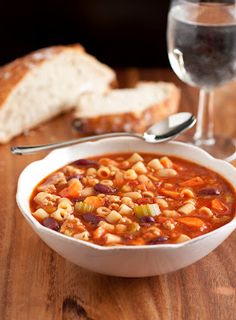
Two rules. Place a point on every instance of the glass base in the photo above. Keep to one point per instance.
(219, 147)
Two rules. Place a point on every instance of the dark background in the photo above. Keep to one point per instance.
(118, 32)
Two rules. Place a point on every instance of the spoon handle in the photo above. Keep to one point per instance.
(21, 150)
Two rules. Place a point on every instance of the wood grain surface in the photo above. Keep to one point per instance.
(37, 284)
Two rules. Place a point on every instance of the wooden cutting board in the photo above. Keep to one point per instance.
(37, 284)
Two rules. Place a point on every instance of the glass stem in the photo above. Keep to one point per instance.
(204, 134)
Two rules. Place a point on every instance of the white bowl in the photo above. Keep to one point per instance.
(125, 261)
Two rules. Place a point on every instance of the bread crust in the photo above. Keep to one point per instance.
(130, 121)
(12, 73)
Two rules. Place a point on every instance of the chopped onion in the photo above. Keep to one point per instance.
(147, 210)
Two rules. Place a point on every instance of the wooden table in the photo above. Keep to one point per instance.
(37, 284)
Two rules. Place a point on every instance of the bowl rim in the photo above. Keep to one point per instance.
(41, 229)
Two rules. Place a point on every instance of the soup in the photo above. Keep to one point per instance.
(133, 199)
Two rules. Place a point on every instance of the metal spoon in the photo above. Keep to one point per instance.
(162, 131)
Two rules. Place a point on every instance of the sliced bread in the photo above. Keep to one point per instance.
(132, 109)
(45, 83)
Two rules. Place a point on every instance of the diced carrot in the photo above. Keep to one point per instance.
(142, 187)
(144, 201)
(193, 182)
(94, 201)
(218, 205)
(191, 222)
(138, 241)
(73, 190)
(133, 183)
(170, 193)
(162, 219)
(177, 167)
(118, 182)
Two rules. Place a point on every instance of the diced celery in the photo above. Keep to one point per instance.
(83, 207)
(147, 210)
(154, 209)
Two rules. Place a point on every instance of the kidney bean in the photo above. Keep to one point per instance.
(209, 192)
(86, 163)
(78, 199)
(102, 188)
(51, 223)
(147, 219)
(159, 240)
(92, 218)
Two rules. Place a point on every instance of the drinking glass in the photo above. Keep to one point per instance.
(201, 37)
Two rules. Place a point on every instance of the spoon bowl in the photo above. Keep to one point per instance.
(170, 127)
(162, 131)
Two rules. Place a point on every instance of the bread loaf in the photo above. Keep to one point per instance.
(45, 83)
(132, 109)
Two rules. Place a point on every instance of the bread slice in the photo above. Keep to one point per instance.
(132, 109)
(45, 83)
